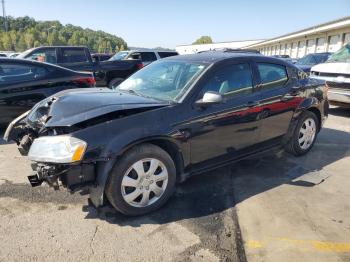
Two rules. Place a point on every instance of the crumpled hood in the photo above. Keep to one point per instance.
(73, 106)
(335, 68)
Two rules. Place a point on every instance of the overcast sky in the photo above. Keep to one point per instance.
(170, 23)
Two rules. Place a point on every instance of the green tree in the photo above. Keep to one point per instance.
(21, 44)
(203, 40)
(25, 32)
(29, 40)
(6, 41)
(52, 38)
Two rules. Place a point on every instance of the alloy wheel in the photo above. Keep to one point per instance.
(144, 182)
(307, 133)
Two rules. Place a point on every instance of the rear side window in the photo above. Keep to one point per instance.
(272, 75)
(166, 54)
(232, 80)
(13, 73)
(74, 55)
(148, 56)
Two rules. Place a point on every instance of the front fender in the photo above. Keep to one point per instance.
(104, 168)
(108, 141)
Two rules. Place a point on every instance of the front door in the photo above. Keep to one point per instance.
(222, 131)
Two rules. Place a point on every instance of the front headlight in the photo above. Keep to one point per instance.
(57, 149)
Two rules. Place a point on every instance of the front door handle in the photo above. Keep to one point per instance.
(252, 103)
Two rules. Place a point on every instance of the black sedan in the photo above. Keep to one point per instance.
(177, 117)
(306, 62)
(23, 83)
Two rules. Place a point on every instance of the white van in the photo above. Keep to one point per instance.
(336, 72)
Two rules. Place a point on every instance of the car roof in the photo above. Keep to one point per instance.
(150, 50)
(323, 53)
(215, 56)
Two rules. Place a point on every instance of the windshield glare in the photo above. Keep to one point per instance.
(119, 56)
(343, 55)
(164, 80)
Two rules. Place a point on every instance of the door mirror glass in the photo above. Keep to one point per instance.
(209, 98)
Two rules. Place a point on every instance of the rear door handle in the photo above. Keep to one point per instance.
(287, 97)
(252, 103)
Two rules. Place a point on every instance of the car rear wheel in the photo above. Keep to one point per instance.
(115, 82)
(304, 135)
(142, 180)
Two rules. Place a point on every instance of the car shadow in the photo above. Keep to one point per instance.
(339, 111)
(216, 191)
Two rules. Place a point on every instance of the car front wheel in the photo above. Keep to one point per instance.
(142, 180)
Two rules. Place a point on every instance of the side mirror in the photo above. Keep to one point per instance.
(210, 98)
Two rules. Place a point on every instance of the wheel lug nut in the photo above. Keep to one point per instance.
(147, 187)
(151, 181)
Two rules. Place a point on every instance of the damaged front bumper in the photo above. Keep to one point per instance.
(72, 177)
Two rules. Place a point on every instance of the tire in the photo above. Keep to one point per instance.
(295, 146)
(115, 82)
(125, 183)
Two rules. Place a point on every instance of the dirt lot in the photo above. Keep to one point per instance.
(272, 208)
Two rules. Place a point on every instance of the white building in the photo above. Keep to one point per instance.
(191, 49)
(327, 37)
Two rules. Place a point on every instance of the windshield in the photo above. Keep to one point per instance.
(343, 55)
(119, 56)
(306, 60)
(165, 80)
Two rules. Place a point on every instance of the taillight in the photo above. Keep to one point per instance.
(139, 66)
(85, 81)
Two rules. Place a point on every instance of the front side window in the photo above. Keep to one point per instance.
(74, 55)
(44, 55)
(165, 80)
(272, 76)
(232, 80)
(14, 73)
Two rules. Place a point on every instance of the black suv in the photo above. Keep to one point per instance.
(107, 73)
(176, 117)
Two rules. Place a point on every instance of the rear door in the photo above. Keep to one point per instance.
(21, 87)
(277, 99)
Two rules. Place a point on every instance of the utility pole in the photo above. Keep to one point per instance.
(4, 15)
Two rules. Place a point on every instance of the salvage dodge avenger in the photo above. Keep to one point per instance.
(177, 117)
